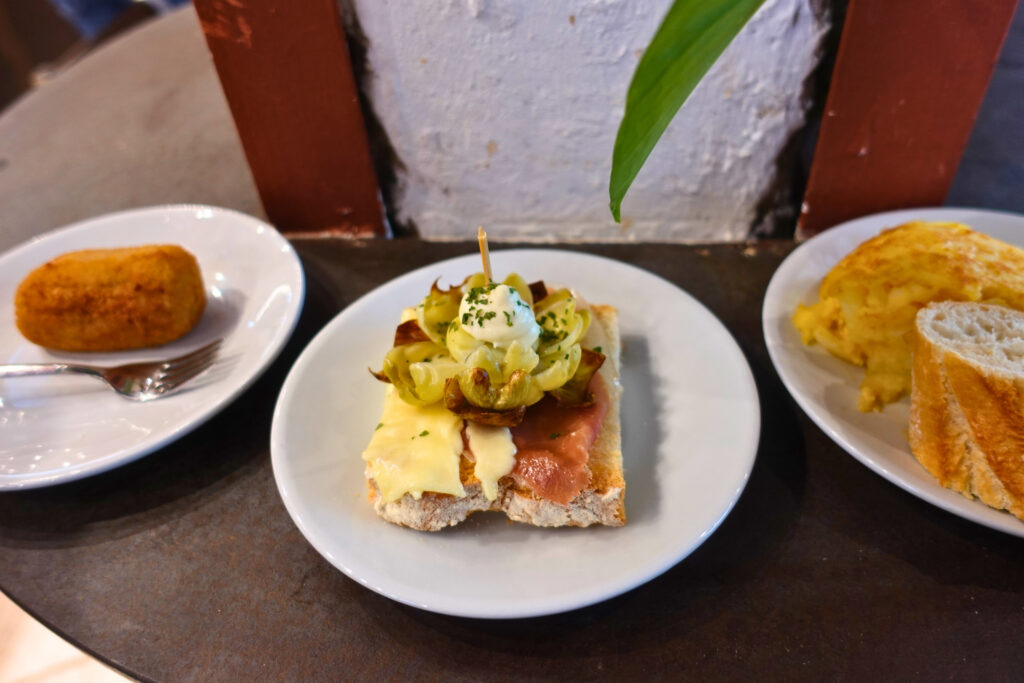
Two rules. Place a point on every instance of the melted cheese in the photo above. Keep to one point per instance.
(415, 449)
(494, 452)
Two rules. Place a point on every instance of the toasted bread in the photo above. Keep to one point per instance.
(967, 401)
(602, 502)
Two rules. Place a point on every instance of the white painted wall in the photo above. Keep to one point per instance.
(504, 113)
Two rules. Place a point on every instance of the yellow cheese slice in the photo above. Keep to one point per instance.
(495, 453)
(415, 449)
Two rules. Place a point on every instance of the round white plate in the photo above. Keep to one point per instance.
(690, 424)
(827, 388)
(56, 429)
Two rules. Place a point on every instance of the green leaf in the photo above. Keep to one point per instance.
(689, 40)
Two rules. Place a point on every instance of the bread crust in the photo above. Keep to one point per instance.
(967, 422)
(602, 502)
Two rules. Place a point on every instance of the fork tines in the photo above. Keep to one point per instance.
(177, 371)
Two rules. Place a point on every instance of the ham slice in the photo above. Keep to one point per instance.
(553, 445)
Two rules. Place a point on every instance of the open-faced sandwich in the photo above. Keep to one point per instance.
(502, 396)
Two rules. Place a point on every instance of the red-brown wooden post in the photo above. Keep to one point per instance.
(286, 72)
(909, 78)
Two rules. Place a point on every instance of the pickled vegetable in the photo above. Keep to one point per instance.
(575, 392)
(438, 357)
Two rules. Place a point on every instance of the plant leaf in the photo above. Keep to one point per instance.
(692, 36)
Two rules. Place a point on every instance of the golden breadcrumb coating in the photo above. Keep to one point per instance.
(111, 299)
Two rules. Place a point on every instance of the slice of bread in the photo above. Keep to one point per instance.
(602, 502)
(967, 400)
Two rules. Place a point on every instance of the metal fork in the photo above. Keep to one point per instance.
(137, 381)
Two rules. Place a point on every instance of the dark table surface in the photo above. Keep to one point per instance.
(185, 565)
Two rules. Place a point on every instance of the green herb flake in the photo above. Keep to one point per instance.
(379, 425)
(508, 318)
(598, 349)
(424, 432)
(555, 435)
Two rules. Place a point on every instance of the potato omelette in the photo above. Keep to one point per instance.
(868, 301)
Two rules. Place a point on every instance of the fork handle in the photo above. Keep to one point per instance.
(35, 369)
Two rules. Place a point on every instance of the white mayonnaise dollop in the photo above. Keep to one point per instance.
(498, 315)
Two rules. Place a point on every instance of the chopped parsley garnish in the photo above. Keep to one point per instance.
(379, 425)
(508, 318)
(476, 295)
(548, 335)
(475, 314)
(424, 432)
(555, 435)
(598, 349)
(482, 317)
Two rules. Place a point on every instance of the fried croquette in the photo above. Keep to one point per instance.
(868, 301)
(111, 299)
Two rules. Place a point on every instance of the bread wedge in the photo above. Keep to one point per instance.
(967, 401)
(602, 502)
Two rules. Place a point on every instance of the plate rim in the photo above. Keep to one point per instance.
(974, 509)
(543, 606)
(21, 482)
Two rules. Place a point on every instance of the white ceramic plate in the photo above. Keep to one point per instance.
(827, 388)
(690, 422)
(56, 429)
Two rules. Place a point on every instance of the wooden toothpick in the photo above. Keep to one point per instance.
(485, 254)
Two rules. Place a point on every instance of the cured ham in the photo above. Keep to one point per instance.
(553, 445)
